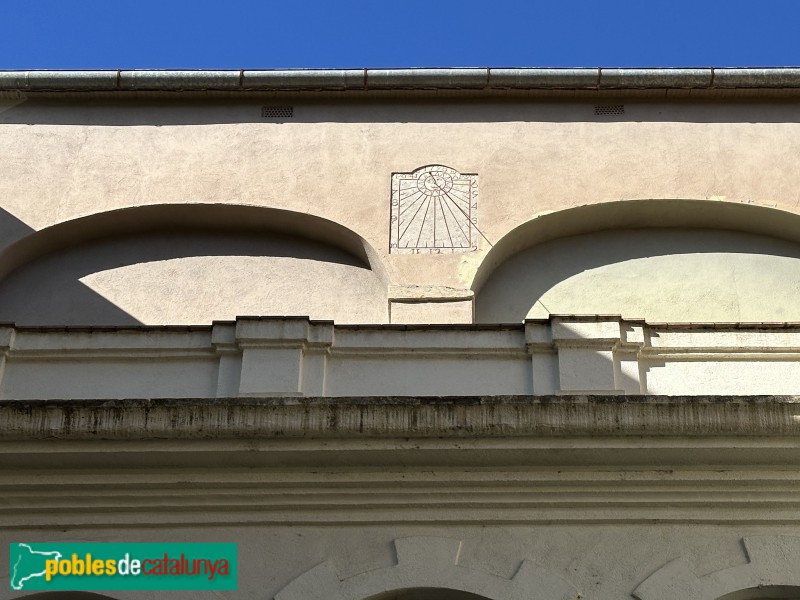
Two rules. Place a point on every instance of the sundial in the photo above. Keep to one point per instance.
(434, 211)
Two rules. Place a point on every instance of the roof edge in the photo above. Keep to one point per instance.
(298, 80)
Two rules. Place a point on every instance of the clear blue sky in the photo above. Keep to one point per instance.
(239, 34)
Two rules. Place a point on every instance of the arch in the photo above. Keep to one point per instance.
(427, 594)
(632, 243)
(190, 264)
(176, 217)
(764, 592)
(427, 563)
(771, 572)
(66, 596)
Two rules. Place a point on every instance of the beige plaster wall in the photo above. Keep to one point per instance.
(335, 158)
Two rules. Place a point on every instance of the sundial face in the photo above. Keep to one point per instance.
(434, 211)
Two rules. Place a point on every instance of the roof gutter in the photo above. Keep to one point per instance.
(400, 79)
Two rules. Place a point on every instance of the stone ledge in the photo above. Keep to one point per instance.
(442, 417)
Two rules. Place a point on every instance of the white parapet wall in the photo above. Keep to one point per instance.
(287, 356)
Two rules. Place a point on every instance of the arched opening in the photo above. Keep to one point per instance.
(427, 594)
(67, 596)
(190, 264)
(766, 592)
(638, 260)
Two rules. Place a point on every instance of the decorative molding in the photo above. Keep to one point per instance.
(772, 562)
(374, 416)
(109, 489)
(427, 562)
(295, 356)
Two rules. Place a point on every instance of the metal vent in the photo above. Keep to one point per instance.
(277, 112)
(609, 109)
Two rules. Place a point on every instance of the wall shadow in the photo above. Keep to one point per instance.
(13, 230)
(185, 264)
(387, 108)
(160, 288)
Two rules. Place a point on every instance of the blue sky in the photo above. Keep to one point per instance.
(232, 34)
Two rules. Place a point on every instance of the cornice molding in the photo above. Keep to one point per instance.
(390, 417)
(317, 495)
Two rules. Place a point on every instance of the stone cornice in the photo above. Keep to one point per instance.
(380, 460)
(393, 417)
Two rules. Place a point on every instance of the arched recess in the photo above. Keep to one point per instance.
(190, 264)
(661, 260)
(427, 594)
(66, 596)
(427, 566)
(770, 573)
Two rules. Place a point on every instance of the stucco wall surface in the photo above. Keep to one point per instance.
(554, 561)
(354, 458)
(69, 159)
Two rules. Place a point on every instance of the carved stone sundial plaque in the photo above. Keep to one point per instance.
(434, 211)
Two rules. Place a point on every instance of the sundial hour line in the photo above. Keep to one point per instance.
(407, 192)
(444, 218)
(455, 219)
(457, 199)
(471, 224)
(410, 204)
(461, 194)
(408, 195)
(422, 226)
(409, 218)
(409, 223)
(434, 222)
(412, 220)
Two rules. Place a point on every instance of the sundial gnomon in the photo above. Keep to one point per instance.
(434, 211)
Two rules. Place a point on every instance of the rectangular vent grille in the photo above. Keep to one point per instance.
(609, 109)
(277, 112)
